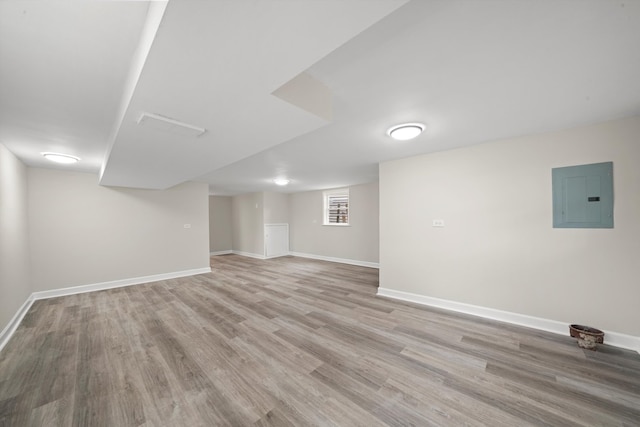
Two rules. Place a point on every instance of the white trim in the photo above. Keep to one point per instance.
(117, 283)
(249, 254)
(340, 260)
(10, 329)
(216, 253)
(611, 338)
(344, 191)
(276, 256)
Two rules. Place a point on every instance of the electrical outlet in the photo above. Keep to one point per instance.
(438, 223)
(187, 226)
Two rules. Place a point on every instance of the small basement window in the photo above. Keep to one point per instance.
(336, 207)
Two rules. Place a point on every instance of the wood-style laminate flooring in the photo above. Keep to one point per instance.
(297, 342)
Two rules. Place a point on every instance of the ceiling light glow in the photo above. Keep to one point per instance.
(405, 131)
(281, 181)
(66, 159)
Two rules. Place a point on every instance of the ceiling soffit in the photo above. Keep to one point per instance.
(215, 65)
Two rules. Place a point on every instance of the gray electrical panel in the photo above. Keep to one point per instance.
(583, 196)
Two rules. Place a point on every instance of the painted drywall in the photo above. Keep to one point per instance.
(15, 285)
(498, 248)
(276, 208)
(220, 235)
(247, 222)
(82, 233)
(359, 241)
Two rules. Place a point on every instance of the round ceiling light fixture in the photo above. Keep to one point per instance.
(405, 131)
(66, 159)
(281, 181)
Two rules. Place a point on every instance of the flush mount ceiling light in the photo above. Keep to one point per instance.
(281, 181)
(405, 131)
(61, 158)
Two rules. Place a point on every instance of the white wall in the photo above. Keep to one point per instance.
(249, 214)
(82, 233)
(498, 248)
(358, 241)
(276, 208)
(247, 221)
(220, 235)
(15, 285)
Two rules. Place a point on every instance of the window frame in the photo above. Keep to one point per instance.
(326, 195)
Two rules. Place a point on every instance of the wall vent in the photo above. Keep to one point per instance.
(166, 124)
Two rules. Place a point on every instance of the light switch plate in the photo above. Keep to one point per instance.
(438, 223)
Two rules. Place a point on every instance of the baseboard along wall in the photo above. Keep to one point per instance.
(615, 339)
(249, 254)
(15, 321)
(611, 338)
(303, 255)
(339, 260)
(10, 329)
(216, 253)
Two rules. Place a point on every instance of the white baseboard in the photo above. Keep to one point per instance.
(312, 256)
(249, 254)
(340, 260)
(118, 283)
(220, 253)
(9, 330)
(276, 256)
(611, 338)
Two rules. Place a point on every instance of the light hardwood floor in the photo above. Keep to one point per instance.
(297, 342)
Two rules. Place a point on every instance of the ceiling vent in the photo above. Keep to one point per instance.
(166, 124)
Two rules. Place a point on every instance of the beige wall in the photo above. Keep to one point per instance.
(247, 221)
(15, 285)
(358, 241)
(220, 236)
(82, 233)
(276, 208)
(498, 248)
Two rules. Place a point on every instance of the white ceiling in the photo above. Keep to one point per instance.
(76, 76)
